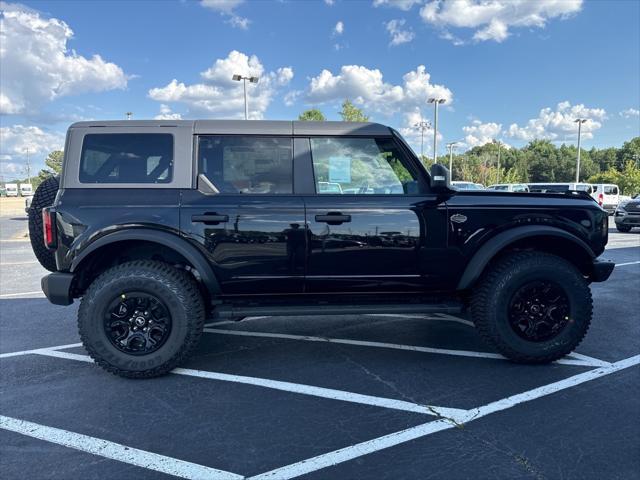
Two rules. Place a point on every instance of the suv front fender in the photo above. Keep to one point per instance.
(174, 242)
(496, 244)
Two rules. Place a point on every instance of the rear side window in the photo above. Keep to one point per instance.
(127, 158)
(360, 166)
(610, 190)
(252, 165)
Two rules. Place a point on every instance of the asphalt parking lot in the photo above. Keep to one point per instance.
(333, 397)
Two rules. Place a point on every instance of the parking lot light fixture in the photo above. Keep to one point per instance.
(436, 102)
(499, 143)
(579, 121)
(244, 79)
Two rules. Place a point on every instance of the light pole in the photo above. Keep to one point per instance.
(422, 126)
(129, 115)
(579, 121)
(436, 102)
(244, 79)
(28, 168)
(451, 146)
(497, 142)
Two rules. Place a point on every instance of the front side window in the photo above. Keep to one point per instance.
(127, 158)
(610, 190)
(360, 166)
(253, 165)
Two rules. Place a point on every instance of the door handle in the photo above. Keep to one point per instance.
(210, 218)
(333, 218)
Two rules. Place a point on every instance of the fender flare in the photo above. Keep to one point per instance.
(494, 245)
(172, 241)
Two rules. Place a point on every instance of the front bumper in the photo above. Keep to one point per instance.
(57, 287)
(626, 218)
(601, 270)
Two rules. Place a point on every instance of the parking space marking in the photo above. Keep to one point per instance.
(22, 294)
(627, 263)
(116, 451)
(17, 263)
(432, 316)
(413, 348)
(36, 350)
(299, 388)
(358, 450)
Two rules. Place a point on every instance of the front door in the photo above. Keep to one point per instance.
(369, 222)
(245, 215)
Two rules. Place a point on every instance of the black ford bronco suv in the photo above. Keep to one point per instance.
(157, 225)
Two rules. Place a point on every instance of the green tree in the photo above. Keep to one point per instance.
(351, 113)
(54, 164)
(630, 152)
(628, 179)
(313, 114)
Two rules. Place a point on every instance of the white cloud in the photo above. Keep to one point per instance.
(630, 112)
(16, 139)
(339, 28)
(226, 8)
(398, 33)
(401, 4)
(367, 88)
(221, 97)
(560, 123)
(37, 66)
(167, 114)
(479, 133)
(492, 19)
(329, 2)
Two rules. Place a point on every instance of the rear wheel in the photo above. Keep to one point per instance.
(623, 228)
(532, 307)
(141, 319)
(44, 197)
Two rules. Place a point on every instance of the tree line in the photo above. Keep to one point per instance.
(538, 161)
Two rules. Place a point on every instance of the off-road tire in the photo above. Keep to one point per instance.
(490, 300)
(624, 228)
(44, 197)
(178, 291)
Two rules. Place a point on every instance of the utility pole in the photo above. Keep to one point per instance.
(244, 79)
(422, 126)
(436, 102)
(498, 171)
(579, 121)
(451, 146)
(129, 114)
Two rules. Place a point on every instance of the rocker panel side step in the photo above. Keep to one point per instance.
(232, 311)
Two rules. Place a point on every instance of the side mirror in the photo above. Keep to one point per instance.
(440, 180)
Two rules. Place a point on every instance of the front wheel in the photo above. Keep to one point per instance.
(532, 307)
(141, 319)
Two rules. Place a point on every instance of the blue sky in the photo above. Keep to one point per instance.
(509, 69)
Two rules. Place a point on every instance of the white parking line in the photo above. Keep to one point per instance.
(303, 389)
(354, 451)
(433, 316)
(116, 451)
(412, 348)
(627, 263)
(22, 294)
(17, 263)
(36, 350)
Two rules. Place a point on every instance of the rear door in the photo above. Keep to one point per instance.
(245, 215)
(372, 226)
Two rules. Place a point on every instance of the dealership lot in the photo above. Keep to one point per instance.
(371, 396)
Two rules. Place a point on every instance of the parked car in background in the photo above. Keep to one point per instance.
(27, 203)
(12, 189)
(607, 195)
(550, 187)
(627, 214)
(26, 190)
(459, 185)
(509, 187)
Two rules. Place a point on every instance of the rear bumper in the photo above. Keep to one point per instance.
(57, 287)
(601, 270)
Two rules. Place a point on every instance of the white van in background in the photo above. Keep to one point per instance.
(26, 189)
(12, 189)
(607, 195)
